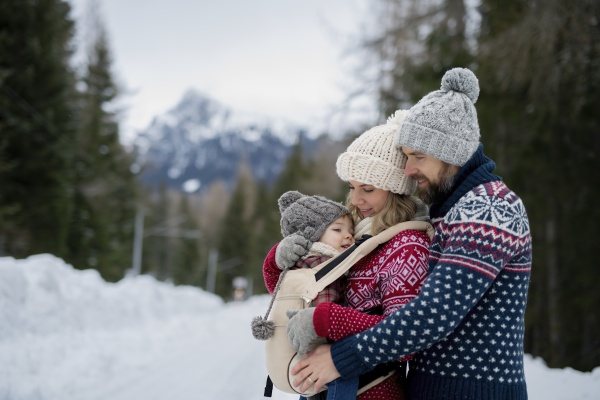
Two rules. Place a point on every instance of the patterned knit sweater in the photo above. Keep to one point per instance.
(377, 285)
(467, 323)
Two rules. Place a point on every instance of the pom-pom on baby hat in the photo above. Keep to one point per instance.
(444, 122)
(374, 159)
(308, 216)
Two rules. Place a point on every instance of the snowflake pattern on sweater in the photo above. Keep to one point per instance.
(467, 324)
(391, 275)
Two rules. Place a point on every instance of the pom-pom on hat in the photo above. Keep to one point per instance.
(308, 216)
(444, 122)
(374, 159)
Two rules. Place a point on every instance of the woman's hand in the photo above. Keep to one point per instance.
(317, 368)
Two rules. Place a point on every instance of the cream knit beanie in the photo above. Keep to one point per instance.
(374, 159)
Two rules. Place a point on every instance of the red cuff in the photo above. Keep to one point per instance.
(321, 318)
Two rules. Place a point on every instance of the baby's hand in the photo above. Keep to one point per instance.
(290, 250)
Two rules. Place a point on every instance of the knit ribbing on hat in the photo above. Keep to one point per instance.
(373, 159)
(308, 216)
(444, 122)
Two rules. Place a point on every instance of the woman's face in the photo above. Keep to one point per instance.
(367, 198)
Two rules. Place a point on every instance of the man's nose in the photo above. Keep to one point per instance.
(409, 169)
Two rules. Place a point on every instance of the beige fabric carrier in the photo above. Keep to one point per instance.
(299, 288)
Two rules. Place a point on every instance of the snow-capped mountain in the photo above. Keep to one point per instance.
(201, 140)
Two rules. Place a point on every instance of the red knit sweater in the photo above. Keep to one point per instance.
(381, 282)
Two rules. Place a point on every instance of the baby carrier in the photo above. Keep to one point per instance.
(296, 290)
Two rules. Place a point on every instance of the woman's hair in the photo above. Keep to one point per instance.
(398, 208)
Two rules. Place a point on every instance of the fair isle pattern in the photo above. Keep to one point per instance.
(496, 217)
(467, 322)
(391, 276)
(405, 270)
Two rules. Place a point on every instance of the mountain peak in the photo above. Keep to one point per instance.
(204, 140)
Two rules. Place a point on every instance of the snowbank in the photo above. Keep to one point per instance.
(68, 334)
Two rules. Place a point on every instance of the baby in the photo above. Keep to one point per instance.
(328, 225)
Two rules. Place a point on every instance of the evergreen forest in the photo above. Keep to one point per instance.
(69, 187)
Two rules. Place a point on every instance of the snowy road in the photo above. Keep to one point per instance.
(68, 335)
(213, 356)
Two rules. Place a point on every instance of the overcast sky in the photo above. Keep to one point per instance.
(282, 58)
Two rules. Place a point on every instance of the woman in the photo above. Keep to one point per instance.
(389, 277)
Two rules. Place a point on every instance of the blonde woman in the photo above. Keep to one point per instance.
(379, 196)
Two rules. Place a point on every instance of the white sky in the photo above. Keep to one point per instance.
(281, 58)
(66, 334)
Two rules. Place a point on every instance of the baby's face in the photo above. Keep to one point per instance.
(340, 234)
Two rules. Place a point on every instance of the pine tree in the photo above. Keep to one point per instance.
(295, 171)
(211, 208)
(36, 126)
(539, 63)
(237, 231)
(413, 43)
(105, 188)
(160, 219)
(186, 266)
(266, 229)
(323, 179)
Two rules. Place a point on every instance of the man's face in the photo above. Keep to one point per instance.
(434, 177)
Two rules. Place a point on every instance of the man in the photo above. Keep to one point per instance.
(466, 326)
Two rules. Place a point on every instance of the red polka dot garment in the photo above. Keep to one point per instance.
(380, 283)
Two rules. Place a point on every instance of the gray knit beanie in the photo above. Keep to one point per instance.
(444, 123)
(308, 216)
(374, 159)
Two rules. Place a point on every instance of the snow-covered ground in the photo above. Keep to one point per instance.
(67, 334)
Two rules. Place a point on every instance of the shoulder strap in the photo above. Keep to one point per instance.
(333, 269)
(324, 268)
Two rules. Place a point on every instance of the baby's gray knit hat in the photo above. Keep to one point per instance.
(308, 216)
(444, 122)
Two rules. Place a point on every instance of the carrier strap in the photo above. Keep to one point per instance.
(324, 271)
(268, 387)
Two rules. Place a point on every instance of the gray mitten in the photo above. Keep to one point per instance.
(301, 331)
(290, 249)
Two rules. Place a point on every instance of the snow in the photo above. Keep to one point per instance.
(68, 334)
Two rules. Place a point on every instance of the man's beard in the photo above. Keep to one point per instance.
(437, 191)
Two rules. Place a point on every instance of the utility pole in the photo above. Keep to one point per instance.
(138, 239)
(163, 230)
(211, 278)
